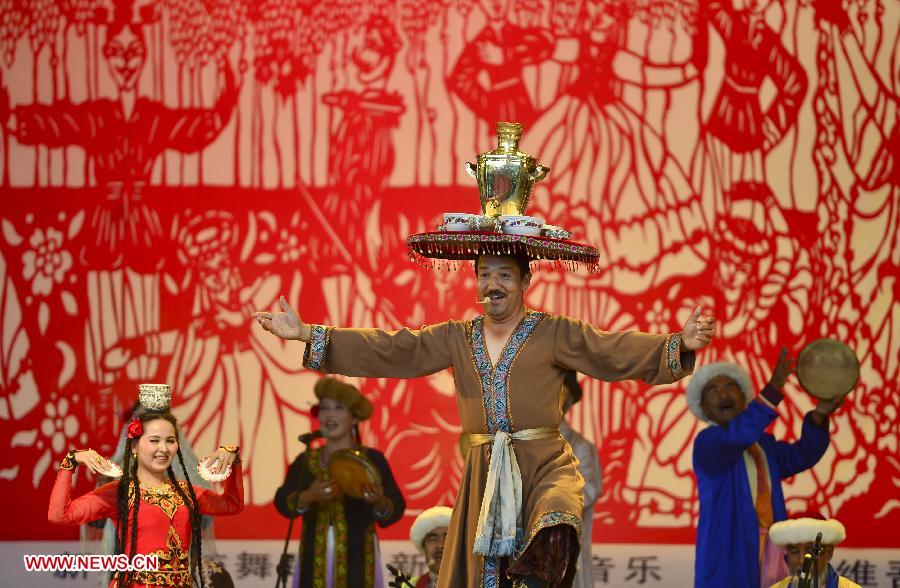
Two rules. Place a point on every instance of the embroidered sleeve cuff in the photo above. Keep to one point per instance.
(679, 363)
(316, 347)
(68, 463)
(771, 396)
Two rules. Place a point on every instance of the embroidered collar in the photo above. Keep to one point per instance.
(164, 489)
(495, 378)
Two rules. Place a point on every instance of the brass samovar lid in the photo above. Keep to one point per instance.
(508, 136)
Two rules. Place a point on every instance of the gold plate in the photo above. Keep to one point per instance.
(827, 368)
(351, 470)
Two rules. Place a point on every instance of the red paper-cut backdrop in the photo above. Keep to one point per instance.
(170, 165)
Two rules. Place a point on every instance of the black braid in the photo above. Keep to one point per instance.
(196, 525)
(127, 485)
(122, 500)
(135, 484)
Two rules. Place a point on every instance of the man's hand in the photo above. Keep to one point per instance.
(784, 367)
(286, 325)
(828, 407)
(697, 332)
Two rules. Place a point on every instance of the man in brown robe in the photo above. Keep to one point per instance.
(508, 367)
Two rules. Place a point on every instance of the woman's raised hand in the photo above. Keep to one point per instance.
(96, 462)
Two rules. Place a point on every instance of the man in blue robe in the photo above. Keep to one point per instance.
(739, 469)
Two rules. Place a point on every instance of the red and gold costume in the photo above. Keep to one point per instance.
(163, 525)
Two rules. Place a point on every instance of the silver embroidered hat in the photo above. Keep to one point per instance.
(155, 397)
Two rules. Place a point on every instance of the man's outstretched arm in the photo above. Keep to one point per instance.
(372, 353)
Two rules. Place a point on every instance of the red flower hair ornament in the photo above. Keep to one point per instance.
(135, 428)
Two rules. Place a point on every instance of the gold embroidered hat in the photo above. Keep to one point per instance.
(505, 178)
(350, 396)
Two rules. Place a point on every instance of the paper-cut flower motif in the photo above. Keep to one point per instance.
(46, 262)
(58, 425)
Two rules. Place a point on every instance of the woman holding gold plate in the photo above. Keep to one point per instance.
(342, 490)
(154, 513)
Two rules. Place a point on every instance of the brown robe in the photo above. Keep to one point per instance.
(521, 392)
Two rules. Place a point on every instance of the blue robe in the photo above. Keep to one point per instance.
(728, 530)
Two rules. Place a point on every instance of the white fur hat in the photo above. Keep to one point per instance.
(426, 522)
(805, 529)
(702, 377)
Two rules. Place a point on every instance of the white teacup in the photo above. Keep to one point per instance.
(528, 226)
(457, 221)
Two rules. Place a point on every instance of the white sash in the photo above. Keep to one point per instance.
(500, 518)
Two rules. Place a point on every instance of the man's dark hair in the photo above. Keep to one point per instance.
(521, 259)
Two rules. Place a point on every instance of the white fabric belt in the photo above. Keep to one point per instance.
(500, 518)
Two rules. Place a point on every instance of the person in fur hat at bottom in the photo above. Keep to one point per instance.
(428, 533)
(798, 535)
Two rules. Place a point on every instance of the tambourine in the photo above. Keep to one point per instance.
(351, 470)
(209, 476)
(827, 369)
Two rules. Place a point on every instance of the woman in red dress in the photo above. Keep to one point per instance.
(166, 520)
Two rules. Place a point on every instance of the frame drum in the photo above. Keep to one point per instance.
(351, 469)
(827, 368)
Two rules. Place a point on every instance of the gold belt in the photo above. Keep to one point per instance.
(523, 435)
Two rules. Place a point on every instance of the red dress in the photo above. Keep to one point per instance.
(164, 525)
